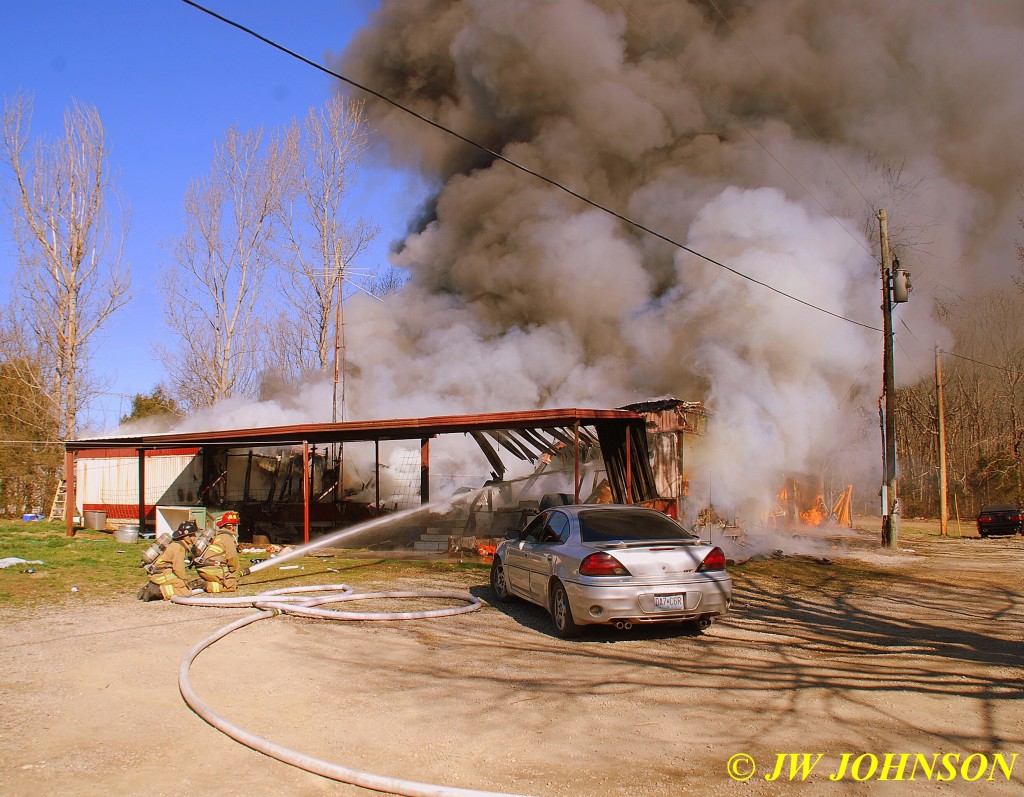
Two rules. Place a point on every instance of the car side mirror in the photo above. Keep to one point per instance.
(514, 534)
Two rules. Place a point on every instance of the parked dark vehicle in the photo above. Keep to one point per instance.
(1000, 519)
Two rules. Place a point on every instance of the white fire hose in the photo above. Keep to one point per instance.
(287, 601)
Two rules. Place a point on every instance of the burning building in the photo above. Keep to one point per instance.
(284, 493)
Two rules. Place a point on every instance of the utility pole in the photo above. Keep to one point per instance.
(339, 373)
(338, 368)
(943, 498)
(890, 506)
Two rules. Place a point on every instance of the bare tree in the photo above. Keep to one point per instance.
(387, 282)
(984, 410)
(213, 289)
(987, 335)
(70, 278)
(323, 239)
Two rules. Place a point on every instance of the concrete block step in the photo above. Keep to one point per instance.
(430, 546)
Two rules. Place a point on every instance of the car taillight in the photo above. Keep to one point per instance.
(713, 561)
(984, 519)
(602, 564)
(1016, 518)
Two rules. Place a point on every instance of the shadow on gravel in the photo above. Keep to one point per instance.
(843, 637)
(537, 619)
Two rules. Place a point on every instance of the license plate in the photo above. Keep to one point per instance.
(668, 601)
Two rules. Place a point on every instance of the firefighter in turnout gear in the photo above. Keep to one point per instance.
(218, 564)
(168, 575)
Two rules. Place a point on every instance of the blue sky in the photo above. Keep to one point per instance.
(168, 81)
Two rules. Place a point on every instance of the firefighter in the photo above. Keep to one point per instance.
(168, 575)
(218, 564)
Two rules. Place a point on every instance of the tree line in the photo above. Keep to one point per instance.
(983, 397)
(272, 212)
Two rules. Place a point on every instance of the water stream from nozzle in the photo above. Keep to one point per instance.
(360, 528)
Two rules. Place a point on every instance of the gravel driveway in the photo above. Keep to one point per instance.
(922, 657)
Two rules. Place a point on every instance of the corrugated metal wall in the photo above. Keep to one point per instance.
(111, 483)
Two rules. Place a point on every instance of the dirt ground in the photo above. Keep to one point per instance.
(929, 663)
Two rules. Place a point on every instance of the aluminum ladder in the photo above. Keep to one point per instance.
(59, 499)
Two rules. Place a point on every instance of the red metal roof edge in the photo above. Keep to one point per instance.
(115, 451)
(348, 431)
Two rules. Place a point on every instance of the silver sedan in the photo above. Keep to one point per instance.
(612, 564)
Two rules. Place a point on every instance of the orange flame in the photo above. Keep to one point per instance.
(817, 514)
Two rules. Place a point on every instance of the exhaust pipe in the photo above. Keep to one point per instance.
(623, 626)
(703, 623)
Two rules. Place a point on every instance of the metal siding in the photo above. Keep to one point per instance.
(112, 482)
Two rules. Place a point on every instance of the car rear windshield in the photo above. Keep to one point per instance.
(629, 525)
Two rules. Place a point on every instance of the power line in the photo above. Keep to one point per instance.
(31, 442)
(1013, 371)
(520, 167)
(856, 381)
(899, 343)
(904, 323)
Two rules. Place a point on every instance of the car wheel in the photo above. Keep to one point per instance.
(499, 586)
(561, 613)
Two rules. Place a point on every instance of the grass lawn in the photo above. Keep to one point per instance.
(93, 565)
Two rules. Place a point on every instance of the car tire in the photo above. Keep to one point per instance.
(499, 586)
(561, 613)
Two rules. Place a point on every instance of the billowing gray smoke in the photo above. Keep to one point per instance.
(764, 135)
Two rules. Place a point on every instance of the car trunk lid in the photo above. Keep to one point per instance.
(660, 560)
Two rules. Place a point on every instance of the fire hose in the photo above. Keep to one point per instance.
(289, 601)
